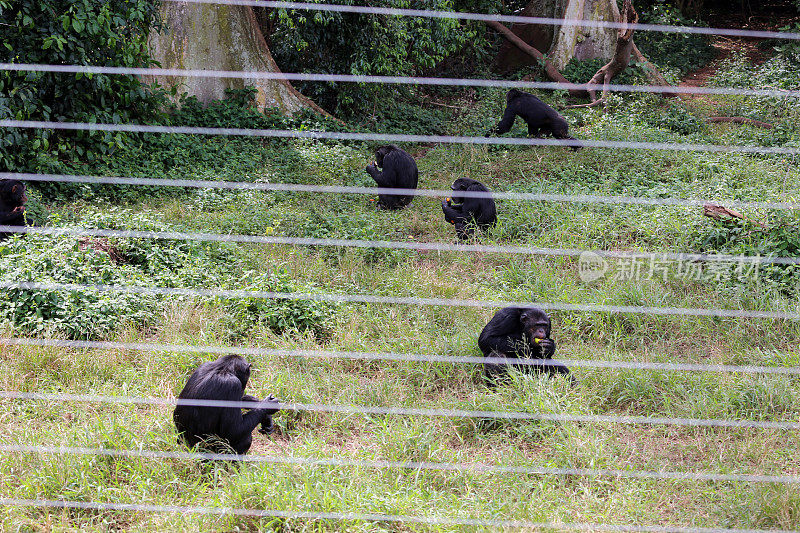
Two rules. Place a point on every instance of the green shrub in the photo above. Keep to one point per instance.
(75, 314)
(678, 51)
(244, 315)
(86, 32)
(90, 314)
(778, 237)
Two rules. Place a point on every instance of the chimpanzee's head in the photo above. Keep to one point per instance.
(12, 192)
(383, 151)
(236, 365)
(514, 93)
(461, 184)
(535, 324)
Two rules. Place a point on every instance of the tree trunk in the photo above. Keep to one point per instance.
(585, 43)
(220, 37)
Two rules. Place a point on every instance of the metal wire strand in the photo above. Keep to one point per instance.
(398, 80)
(388, 137)
(367, 517)
(471, 468)
(410, 411)
(399, 357)
(346, 189)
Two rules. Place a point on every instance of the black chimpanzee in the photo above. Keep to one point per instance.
(471, 212)
(540, 117)
(519, 333)
(399, 172)
(225, 380)
(12, 205)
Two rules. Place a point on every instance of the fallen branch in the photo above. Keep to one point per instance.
(741, 120)
(719, 212)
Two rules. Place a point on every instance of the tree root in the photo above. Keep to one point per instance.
(741, 120)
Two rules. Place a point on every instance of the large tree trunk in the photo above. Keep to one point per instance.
(616, 45)
(221, 37)
(585, 43)
(562, 43)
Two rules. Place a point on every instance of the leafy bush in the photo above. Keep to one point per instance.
(370, 45)
(682, 52)
(244, 315)
(779, 72)
(75, 314)
(778, 237)
(675, 117)
(88, 260)
(87, 32)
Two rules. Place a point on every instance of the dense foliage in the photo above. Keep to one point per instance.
(83, 32)
(678, 51)
(777, 236)
(96, 314)
(330, 42)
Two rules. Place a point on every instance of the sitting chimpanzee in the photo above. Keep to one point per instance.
(221, 429)
(471, 212)
(519, 333)
(399, 172)
(12, 205)
(540, 117)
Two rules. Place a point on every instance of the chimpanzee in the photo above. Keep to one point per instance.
(399, 172)
(471, 212)
(519, 333)
(12, 205)
(223, 379)
(540, 117)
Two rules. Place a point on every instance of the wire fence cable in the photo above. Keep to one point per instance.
(368, 517)
(399, 357)
(412, 411)
(429, 13)
(433, 193)
(473, 468)
(388, 137)
(397, 300)
(396, 80)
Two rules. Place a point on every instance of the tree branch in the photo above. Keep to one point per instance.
(551, 71)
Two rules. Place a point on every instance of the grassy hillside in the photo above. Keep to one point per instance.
(440, 330)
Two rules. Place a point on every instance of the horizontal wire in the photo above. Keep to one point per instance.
(398, 80)
(473, 468)
(390, 137)
(368, 517)
(408, 411)
(401, 245)
(428, 13)
(435, 193)
(390, 356)
(395, 300)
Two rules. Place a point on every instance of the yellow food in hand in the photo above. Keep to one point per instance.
(537, 341)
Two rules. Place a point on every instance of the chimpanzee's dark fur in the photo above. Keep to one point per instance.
(540, 117)
(471, 212)
(12, 205)
(221, 429)
(511, 333)
(399, 172)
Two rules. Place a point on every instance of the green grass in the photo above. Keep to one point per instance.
(436, 330)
